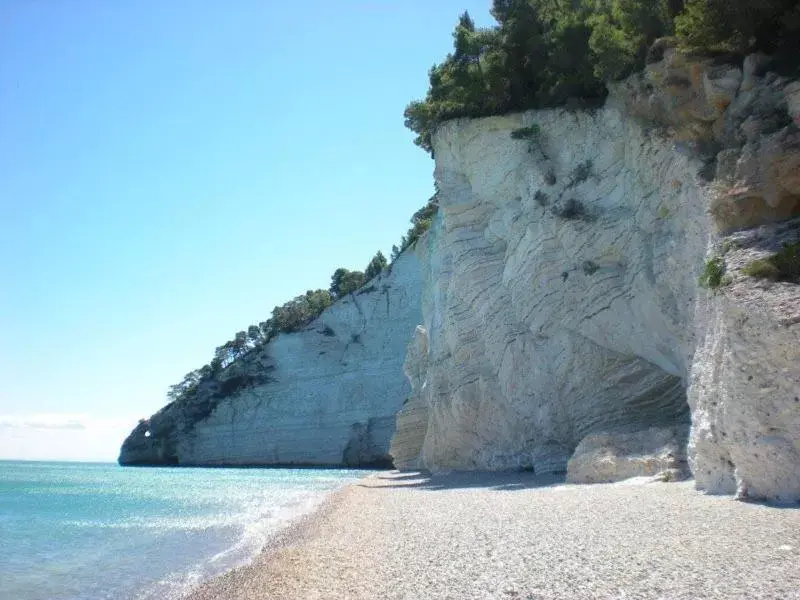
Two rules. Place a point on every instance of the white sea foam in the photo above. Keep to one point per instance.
(88, 532)
(257, 527)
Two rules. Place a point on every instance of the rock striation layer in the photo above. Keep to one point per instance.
(327, 394)
(561, 279)
(564, 321)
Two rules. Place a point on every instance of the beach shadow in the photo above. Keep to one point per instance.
(401, 475)
(794, 506)
(504, 481)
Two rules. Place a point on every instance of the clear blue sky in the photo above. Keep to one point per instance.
(170, 171)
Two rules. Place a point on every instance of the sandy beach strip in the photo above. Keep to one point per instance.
(518, 537)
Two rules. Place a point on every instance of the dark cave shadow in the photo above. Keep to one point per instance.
(751, 237)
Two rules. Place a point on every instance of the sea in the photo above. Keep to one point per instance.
(91, 531)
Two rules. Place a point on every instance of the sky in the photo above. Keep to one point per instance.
(171, 171)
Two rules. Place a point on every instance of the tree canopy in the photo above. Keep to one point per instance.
(741, 26)
(375, 266)
(300, 311)
(545, 53)
(345, 282)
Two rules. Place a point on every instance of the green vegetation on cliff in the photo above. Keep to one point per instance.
(547, 53)
(740, 26)
(421, 222)
(781, 266)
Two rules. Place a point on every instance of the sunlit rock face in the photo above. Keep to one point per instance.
(328, 394)
(565, 328)
(745, 379)
(559, 290)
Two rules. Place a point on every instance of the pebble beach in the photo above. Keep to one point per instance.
(519, 537)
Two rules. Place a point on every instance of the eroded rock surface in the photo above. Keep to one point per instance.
(561, 301)
(608, 457)
(561, 279)
(745, 380)
(743, 120)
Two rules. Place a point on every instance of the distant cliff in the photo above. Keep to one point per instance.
(325, 395)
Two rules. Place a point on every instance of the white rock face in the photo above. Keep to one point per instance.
(561, 303)
(561, 280)
(335, 389)
(745, 380)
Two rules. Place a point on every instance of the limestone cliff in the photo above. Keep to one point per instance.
(745, 380)
(326, 395)
(553, 317)
(563, 321)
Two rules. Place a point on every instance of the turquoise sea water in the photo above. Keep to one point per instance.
(78, 531)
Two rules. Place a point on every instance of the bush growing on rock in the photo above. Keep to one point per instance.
(581, 173)
(421, 222)
(761, 269)
(571, 210)
(781, 266)
(300, 311)
(713, 272)
(533, 135)
(237, 383)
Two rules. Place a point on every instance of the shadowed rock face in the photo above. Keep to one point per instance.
(326, 395)
(563, 320)
(412, 419)
(743, 120)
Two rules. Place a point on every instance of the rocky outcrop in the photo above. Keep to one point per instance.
(608, 457)
(564, 320)
(741, 120)
(745, 379)
(326, 395)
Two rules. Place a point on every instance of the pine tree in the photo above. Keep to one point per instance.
(375, 266)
